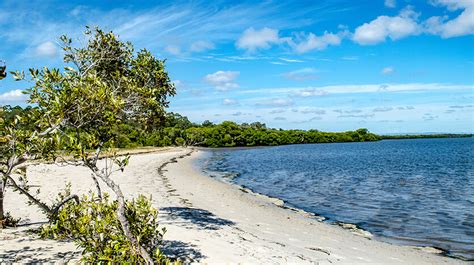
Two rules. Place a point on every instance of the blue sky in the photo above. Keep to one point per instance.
(393, 66)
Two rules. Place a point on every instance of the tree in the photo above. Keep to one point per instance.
(20, 142)
(103, 84)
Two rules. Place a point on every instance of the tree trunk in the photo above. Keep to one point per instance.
(97, 185)
(2, 215)
(122, 218)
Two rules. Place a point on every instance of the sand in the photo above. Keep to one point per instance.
(208, 221)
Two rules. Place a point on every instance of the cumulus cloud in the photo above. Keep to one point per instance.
(280, 119)
(383, 27)
(387, 70)
(230, 102)
(223, 80)
(201, 45)
(46, 49)
(301, 74)
(13, 96)
(461, 25)
(306, 43)
(252, 40)
(390, 3)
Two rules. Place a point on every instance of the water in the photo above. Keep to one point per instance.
(413, 192)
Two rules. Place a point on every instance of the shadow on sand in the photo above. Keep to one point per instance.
(187, 253)
(30, 255)
(196, 217)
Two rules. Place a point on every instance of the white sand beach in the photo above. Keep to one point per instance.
(208, 221)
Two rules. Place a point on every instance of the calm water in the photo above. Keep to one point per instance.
(416, 192)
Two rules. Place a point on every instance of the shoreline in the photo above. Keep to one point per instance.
(208, 221)
(352, 227)
(272, 204)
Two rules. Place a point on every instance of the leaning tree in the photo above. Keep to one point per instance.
(104, 83)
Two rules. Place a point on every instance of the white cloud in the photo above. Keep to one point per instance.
(230, 102)
(178, 83)
(310, 92)
(347, 111)
(253, 40)
(291, 60)
(461, 25)
(350, 58)
(382, 109)
(172, 49)
(358, 89)
(398, 27)
(13, 96)
(46, 49)
(387, 70)
(312, 111)
(275, 111)
(276, 102)
(429, 117)
(363, 116)
(306, 43)
(201, 45)
(223, 80)
(301, 74)
(390, 3)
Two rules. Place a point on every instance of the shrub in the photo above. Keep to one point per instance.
(94, 226)
(9, 221)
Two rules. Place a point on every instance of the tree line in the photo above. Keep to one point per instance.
(176, 130)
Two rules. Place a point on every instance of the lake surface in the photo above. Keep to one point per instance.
(413, 192)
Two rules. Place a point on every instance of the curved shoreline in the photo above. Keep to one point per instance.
(354, 228)
(254, 200)
(208, 221)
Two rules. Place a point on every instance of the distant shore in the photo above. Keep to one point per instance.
(208, 221)
(426, 136)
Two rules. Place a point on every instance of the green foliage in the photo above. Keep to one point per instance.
(9, 221)
(178, 130)
(103, 85)
(94, 226)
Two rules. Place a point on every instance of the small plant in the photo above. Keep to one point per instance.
(9, 221)
(93, 225)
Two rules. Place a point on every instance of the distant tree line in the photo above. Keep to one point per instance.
(421, 136)
(177, 130)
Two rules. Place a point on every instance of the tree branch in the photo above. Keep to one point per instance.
(71, 197)
(36, 201)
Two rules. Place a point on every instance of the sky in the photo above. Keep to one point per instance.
(392, 66)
